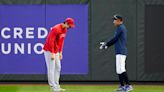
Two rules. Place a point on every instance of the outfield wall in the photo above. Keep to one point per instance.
(143, 19)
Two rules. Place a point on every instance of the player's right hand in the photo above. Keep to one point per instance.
(52, 56)
(103, 45)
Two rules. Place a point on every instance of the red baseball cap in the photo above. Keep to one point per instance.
(70, 21)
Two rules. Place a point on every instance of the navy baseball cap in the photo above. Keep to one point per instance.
(116, 17)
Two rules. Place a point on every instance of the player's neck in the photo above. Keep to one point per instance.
(63, 25)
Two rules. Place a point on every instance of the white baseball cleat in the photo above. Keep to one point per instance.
(61, 89)
(56, 90)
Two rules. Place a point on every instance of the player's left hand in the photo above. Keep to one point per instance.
(61, 56)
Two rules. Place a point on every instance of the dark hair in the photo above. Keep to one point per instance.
(121, 19)
(117, 17)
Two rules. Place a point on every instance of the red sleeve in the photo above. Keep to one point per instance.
(62, 44)
(52, 39)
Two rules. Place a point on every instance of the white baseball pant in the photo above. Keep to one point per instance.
(120, 63)
(53, 69)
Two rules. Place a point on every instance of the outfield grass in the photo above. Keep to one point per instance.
(78, 88)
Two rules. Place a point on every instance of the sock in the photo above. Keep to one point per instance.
(125, 78)
(121, 79)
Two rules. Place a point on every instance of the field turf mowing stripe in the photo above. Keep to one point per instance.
(77, 88)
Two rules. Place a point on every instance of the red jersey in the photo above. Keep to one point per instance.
(55, 40)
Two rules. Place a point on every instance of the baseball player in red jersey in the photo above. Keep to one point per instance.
(53, 49)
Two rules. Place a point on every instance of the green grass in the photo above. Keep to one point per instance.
(78, 88)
